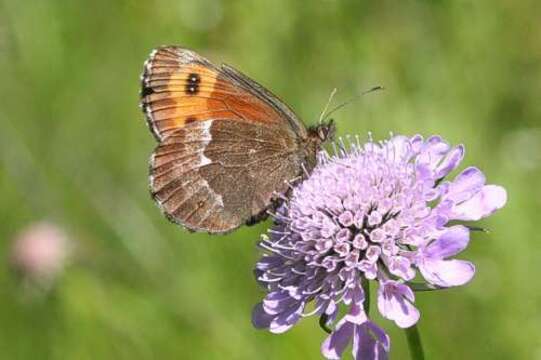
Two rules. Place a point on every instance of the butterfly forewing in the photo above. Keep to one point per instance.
(180, 87)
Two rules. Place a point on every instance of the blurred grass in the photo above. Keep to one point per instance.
(74, 149)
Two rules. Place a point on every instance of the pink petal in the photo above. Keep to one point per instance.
(447, 273)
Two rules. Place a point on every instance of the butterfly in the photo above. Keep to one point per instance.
(227, 147)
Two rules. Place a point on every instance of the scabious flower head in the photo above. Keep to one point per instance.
(40, 252)
(375, 212)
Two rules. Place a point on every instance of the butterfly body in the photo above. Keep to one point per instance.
(227, 146)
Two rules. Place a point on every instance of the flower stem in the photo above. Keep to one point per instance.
(366, 289)
(414, 343)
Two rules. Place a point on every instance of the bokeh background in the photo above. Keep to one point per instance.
(74, 150)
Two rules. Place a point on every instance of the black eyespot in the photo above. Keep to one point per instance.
(191, 89)
(194, 78)
(192, 84)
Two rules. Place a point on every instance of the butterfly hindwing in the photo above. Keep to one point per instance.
(215, 175)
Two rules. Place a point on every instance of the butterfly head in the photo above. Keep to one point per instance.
(317, 136)
(324, 131)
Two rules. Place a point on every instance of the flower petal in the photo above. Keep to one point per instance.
(401, 267)
(416, 143)
(484, 203)
(468, 183)
(450, 162)
(277, 302)
(266, 262)
(447, 273)
(395, 303)
(260, 319)
(431, 153)
(370, 342)
(380, 335)
(450, 243)
(335, 344)
(356, 313)
(284, 321)
(400, 148)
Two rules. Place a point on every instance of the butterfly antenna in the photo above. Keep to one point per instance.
(333, 92)
(338, 107)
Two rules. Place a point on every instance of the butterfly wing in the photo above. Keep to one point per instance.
(180, 87)
(226, 143)
(215, 175)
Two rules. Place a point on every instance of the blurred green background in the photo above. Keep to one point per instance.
(74, 150)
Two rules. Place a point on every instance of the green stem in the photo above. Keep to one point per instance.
(366, 289)
(414, 343)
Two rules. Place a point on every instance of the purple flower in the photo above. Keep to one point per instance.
(379, 212)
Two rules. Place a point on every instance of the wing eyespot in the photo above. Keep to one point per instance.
(192, 84)
(194, 78)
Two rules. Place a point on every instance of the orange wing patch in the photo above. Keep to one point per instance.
(180, 87)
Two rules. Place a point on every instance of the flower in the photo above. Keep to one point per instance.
(380, 212)
(40, 252)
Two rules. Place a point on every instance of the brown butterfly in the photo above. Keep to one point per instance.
(227, 146)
